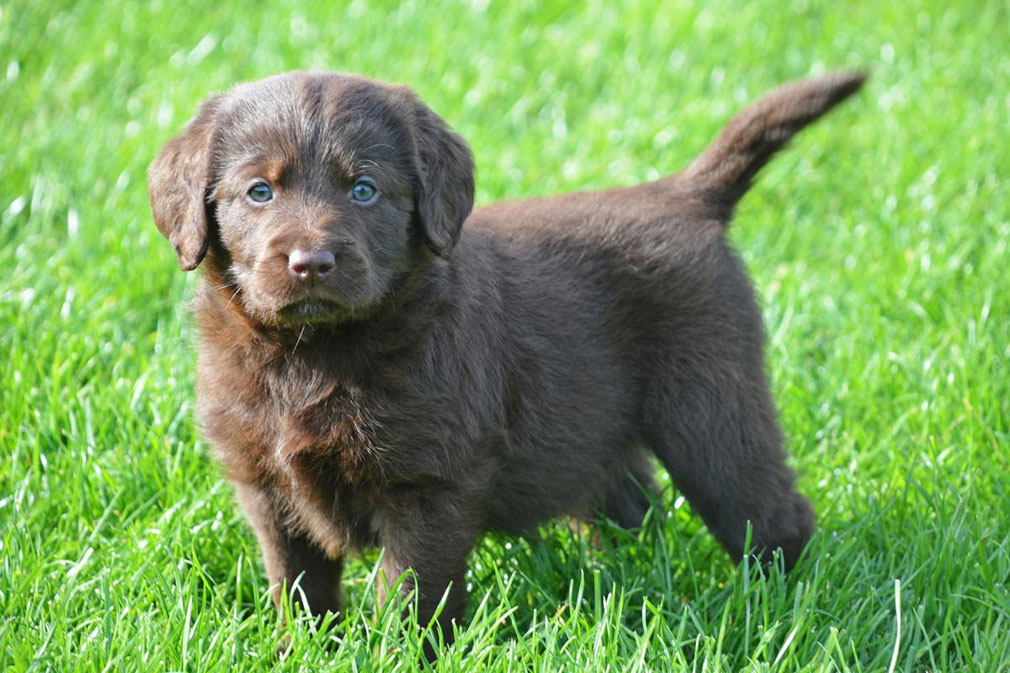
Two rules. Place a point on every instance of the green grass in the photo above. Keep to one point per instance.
(878, 242)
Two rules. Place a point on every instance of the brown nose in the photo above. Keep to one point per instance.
(311, 266)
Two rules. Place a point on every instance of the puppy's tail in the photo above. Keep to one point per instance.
(723, 172)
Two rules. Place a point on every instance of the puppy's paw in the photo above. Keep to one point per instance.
(789, 531)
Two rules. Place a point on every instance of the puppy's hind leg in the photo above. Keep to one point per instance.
(709, 415)
(720, 441)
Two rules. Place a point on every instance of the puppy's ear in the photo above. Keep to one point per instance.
(177, 182)
(444, 194)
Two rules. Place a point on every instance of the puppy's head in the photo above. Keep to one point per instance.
(313, 192)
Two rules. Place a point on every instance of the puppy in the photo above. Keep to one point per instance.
(380, 366)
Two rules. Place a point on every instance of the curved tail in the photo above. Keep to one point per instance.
(723, 172)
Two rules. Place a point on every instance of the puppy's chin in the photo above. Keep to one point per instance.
(300, 306)
(313, 310)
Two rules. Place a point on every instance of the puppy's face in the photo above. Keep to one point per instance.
(314, 192)
(314, 198)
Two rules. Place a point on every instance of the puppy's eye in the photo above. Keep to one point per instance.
(364, 191)
(260, 192)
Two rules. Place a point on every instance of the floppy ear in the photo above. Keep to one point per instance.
(444, 194)
(177, 183)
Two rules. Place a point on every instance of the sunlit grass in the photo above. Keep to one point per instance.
(878, 242)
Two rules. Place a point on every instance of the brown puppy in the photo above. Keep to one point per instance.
(380, 366)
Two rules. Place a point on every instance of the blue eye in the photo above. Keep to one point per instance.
(364, 191)
(261, 192)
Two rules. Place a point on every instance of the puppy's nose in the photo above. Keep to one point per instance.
(311, 266)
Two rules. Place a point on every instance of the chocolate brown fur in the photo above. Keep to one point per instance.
(443, 378)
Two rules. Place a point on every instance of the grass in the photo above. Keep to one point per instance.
(878, 242)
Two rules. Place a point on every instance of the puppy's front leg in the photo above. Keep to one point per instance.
(431, 537)
(288, 556)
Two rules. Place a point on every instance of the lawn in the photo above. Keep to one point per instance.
(878, 242)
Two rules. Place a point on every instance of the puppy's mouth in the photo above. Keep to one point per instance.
(312, 309)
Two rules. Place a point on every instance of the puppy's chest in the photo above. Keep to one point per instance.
(326, 420)
(311, 439)
(364, 436)
(338, 451)
(280, 423)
